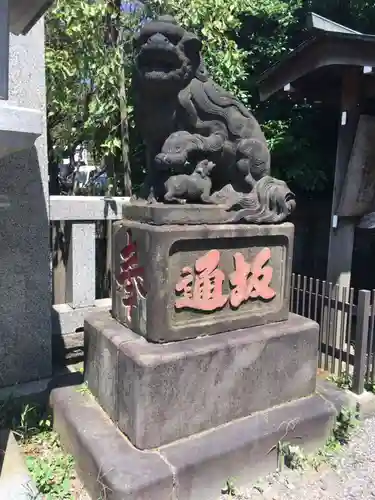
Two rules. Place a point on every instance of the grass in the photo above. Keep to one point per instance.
(51, 469)
(84, 388)
(345, 381)
(293, 457)
(229, 488)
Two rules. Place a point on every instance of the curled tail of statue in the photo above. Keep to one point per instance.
(270, 202)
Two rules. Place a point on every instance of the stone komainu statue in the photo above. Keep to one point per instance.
(185, 118)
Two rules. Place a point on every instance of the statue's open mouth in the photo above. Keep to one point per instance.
(155, 59)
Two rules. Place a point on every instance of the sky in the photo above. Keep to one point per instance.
(131, 7)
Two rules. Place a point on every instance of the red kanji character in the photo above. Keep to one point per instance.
(206, 293)
(131, 274)
(251, 280)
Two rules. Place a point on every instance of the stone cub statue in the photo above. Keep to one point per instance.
(193, 188)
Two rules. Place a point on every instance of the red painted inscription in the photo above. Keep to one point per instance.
(131, 275)
(205, 292)
(202, 289)
(251, 281)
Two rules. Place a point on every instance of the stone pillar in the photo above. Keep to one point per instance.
(25, 292)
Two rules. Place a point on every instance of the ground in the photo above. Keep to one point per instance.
(347, 474)
(51, 469)
(335, 473)
(343, 473)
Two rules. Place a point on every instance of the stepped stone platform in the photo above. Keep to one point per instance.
(159, 393)
(188, 469)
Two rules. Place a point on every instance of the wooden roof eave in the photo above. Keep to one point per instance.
(324, 50)
(23, 14)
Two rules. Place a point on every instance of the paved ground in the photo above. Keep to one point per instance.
(348, 476)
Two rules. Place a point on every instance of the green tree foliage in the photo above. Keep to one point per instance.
(220, 24)
(242, 38)
(89, 60)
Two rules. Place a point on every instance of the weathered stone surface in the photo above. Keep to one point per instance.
(162, 252)
(66, 320)
(19, 128)
(246, 449)
(81, 266)
(176, 214)
(108, 464)
(25, 285)
(102, 340)
(190, 469)
(169, 391)
(364, 403)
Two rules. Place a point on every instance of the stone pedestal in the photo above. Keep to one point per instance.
(158, 393)
(200, 365)
(173, 282)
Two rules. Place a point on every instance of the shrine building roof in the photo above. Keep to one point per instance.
(316, 66)
(23, 14)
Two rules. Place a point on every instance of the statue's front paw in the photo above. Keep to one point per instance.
(151, 199)
(169, 160)
(162, 160)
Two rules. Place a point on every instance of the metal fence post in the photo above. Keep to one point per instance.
(4, 49)
(361, 339)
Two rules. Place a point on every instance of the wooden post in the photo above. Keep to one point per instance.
(342, 229)
(341, 238)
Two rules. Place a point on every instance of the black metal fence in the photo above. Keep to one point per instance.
(346, 328)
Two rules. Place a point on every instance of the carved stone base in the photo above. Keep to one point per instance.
(159, 393)
(175, 282)
(190, 469)
(161, 214)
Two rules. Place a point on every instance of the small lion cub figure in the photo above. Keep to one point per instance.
(195, 187)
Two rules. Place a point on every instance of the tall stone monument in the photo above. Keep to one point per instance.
(200, 362)
(25, 274)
